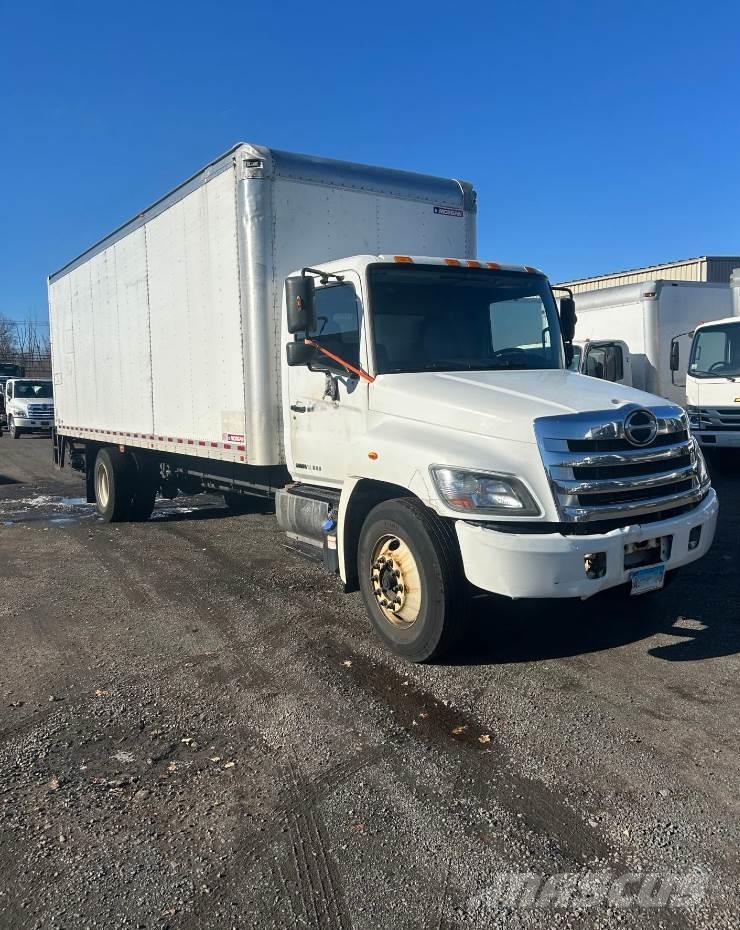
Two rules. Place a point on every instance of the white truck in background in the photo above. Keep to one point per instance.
(626, 334)
(412, 416)
(29, 406)
(713, 378)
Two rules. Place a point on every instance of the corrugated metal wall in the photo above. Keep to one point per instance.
(704, 268)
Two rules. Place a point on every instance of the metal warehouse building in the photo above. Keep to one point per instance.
(714, 268)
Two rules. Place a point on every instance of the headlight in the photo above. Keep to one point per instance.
(483, 492)
(703, 473)
(694, 418)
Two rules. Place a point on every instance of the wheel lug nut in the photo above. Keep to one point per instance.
(397, 573)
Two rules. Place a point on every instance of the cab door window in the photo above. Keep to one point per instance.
(338, 324)
(605, 362)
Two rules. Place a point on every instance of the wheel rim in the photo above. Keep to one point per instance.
(395, 580)
(102, 490)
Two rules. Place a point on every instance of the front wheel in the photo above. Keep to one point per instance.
(411, 578)
(15, 431)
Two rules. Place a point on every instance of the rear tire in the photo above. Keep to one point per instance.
(113, 485)
(411, 578)
(143, 500)
(145, 485)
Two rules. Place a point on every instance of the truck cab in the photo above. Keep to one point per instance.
(713, 383)
(431, 397)
(29, 406)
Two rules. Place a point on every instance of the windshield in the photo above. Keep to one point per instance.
(33, 389)
(715, 352)
(432, 318)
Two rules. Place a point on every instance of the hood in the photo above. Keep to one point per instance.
(500, 404)
(716, 392)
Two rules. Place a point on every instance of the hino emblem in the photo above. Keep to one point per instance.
(640, 427)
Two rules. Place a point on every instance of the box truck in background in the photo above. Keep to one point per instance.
(713, 377)
(29, 406)
(625, 333)
(275, 326)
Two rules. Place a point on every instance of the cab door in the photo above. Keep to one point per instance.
(608, 360)
(327, 409)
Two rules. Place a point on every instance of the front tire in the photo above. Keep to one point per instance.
(411, 578)
(15, 431)
(113, 490)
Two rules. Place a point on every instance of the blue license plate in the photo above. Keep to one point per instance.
(647, 579)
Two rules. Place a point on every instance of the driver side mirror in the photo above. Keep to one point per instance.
(568, 318)
(675, 355)
(299, 301)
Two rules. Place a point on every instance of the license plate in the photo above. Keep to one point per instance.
(647, 579)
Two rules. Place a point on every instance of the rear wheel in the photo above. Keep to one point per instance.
(142, 502)
(411, 578)
(113, 485)
(146, 482)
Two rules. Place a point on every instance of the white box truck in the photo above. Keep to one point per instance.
(273, 326)
(626, 333)
(29, 406)
(713, 378)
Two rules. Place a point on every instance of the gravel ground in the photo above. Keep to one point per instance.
(197, 729)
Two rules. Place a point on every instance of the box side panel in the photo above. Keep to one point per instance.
(197, 367)
(61, 332)
(680, 310)
(100, 324)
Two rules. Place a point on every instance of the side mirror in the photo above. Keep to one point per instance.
(675, 355)
(568, 354)
(299, 300)
(298, 353)
(568, 318)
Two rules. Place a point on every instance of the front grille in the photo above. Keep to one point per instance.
(718, 419)
(41, 411)
(597, 474)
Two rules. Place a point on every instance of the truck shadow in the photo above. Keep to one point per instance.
(500, 631)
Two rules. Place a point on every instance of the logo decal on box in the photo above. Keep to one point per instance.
(235, 437)
(448, 211)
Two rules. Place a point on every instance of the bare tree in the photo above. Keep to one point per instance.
(7, 337)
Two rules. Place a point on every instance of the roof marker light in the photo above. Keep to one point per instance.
(472, 264)
(402, 258)
(494, 265)
(452, 261)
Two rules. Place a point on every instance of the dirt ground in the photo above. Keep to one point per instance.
(198, 729)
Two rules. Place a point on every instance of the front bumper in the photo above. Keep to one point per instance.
(32, 423)
(521, 565)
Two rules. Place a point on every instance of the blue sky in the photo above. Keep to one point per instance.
(599, 136)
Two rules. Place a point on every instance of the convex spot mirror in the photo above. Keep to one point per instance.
(298, 353)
